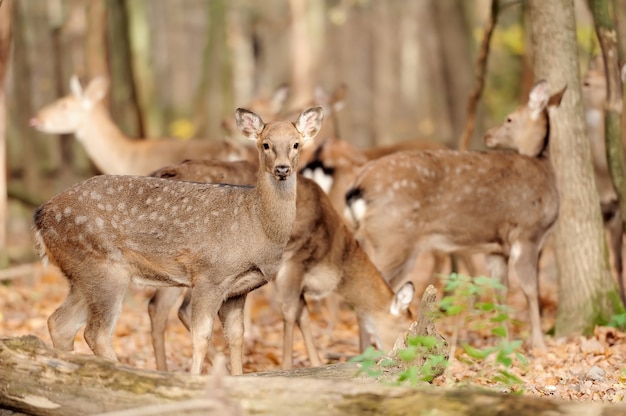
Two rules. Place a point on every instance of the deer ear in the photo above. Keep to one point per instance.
(279, 98)
(556, 98)
(310, 122)
(403, 298)
(538, 98)
(75, 87)
(249, 123)
(338, 100)
(96, 90)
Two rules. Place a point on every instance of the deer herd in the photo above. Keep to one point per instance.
(217, 219)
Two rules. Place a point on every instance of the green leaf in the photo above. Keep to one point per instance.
(427, 341)
(454, 310)
(508, 378)
(407, 354)
(411, 375)
(370, 354)
(477, 353)
(485, 306)
(499, 331)
(501, 317)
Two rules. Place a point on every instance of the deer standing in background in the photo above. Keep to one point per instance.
(321, 257)
(499, 203)
(594, 100)
(221, 241)
(84, 114)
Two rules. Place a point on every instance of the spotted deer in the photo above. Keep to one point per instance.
(221, 241)
(499, 203)
(84, 113)
(594, 101)
(321, 257)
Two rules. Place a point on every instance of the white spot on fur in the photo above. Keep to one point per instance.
(81, 219)
(67, 211)
(516, 251)
(358, 208)
(99, 222)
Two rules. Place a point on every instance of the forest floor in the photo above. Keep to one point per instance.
(577, 368)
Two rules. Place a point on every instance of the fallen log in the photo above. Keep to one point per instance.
(36, 379)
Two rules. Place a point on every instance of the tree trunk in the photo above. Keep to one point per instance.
(214, 94)
(38, 380)
(587, 292)
(456, 47)
(5, 53)
(607, 35)
(143, 75)
(479, 77)
(125, 109)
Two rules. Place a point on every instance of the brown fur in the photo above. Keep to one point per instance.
(222, 241)
(500, 203)
(321, 257)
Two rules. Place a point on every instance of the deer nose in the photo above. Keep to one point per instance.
(282, 170)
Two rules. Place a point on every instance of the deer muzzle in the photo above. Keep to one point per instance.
(282, 171)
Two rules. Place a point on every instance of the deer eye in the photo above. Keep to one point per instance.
(266, 146)
(509, 119)
(295, 145)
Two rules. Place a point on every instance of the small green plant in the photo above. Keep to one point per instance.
(416, 362)
(618, 321)
(474, 303)
(369, 362)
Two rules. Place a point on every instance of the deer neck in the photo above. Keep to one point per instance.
(276, 204)
(362, 286)
(103, 141)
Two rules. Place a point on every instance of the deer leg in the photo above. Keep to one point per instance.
(498, 269)
(231, 315)
(184, 310)
(304, 323)
(288, 283)
(466, 259)
(65, 322)
(524, 260)
(159, 308)
(204, 307)
(290, 311)
(104, 306)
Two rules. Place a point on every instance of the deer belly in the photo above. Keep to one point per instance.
(320, 281)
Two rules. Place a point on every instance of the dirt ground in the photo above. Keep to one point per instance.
(578, 368)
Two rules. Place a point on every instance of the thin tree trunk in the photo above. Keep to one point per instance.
(587, 292)
(456, 47)
(125, 109)
(214, 93)
(143, 76)
(5, 53)
(479, 76)
(605, 29)
(301, 56)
